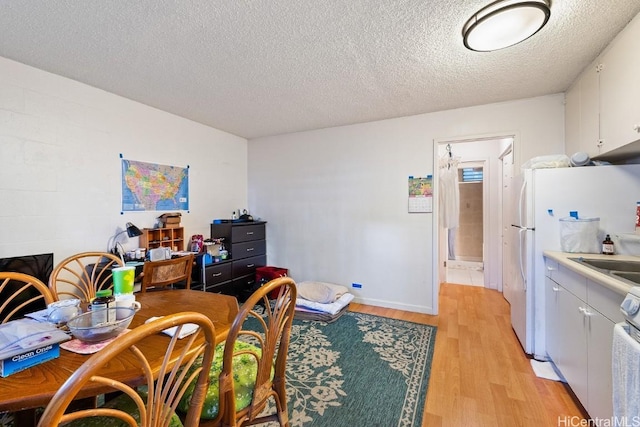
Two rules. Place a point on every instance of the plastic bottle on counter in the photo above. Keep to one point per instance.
(101, 304)
(607, 246)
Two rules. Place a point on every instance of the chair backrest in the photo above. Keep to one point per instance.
(185, 361)
(271, 336)
(82, 274)
(20, 294)
(167, 272)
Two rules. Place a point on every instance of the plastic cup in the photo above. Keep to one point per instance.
(123, 278)
(125, 301)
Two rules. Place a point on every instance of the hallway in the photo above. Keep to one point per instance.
(465, 273)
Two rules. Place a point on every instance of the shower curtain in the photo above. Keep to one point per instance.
(449, 198)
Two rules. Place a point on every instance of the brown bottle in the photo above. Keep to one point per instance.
(607, 246)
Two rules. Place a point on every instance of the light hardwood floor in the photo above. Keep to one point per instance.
(480, 375)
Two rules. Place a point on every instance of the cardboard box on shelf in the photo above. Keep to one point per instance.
(170, 220)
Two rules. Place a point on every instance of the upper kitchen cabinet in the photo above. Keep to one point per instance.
(582, 114)
(602, 111)
(620, 94)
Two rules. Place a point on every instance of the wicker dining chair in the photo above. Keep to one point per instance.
(241, 398)
(153, 403)
(20, 294)
(167, 272)
(83, 274)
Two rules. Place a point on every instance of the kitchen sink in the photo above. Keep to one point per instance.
(631, 276)
(620, 269)
(610, 264)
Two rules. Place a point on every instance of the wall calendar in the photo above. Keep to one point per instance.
(421, 194)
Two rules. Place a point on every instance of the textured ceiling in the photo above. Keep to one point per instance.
(266, 67)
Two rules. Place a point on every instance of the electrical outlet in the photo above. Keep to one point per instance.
(356, 285)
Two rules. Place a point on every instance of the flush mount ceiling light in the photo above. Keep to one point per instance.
(504, 23)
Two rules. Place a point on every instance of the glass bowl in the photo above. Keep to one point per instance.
(91, 327)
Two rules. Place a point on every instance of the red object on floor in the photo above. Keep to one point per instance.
(268, 273)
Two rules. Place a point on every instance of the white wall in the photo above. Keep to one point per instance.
(336, 199)
(60, 171)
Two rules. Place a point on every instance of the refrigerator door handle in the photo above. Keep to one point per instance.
(521, 203)
(523, 228)
(520, 256)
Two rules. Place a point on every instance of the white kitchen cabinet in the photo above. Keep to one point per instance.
(602, 112)
(572, 119)
(569, 332)
(552, 318)
(580, 315)
(620, 89)
(582, 114)
(599, 365)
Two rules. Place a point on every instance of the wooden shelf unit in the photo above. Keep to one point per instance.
(173, 238)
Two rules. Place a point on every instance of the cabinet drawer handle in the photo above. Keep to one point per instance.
(585, 311)
(250, 249)
(249, 233)
(550, 268)
(216, 274)
(250, 265)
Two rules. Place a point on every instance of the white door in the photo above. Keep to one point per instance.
(519, 284)
(517, 292)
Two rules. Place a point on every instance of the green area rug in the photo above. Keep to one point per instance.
(361, 370)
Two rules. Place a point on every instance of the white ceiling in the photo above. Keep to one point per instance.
(266, 67)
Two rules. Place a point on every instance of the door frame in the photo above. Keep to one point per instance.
(505, 198)
(439, 272)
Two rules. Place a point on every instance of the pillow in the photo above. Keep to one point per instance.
(124, 403)
(245, 370)
(321, 292)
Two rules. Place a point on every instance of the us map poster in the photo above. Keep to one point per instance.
(154, 187)
(421, 194)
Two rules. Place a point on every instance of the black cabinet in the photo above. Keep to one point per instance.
(246, 244)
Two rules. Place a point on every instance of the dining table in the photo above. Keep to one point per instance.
(35, 386)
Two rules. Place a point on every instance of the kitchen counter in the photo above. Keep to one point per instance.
(617, 285)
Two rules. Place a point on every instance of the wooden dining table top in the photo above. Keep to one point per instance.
(34, 387)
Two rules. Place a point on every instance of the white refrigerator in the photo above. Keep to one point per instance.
(543, 196)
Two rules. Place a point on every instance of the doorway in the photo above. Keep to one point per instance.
(484, 153)
(465, 261)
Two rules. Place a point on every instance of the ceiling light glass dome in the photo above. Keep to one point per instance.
(505, 23)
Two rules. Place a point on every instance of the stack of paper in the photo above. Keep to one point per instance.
(187, 329)
(22, 335)
(26, 342)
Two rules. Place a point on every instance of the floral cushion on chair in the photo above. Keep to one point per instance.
(123, 403)
(245, 369)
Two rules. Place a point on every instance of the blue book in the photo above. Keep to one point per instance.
(22, 361)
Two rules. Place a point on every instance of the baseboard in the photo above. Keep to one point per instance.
(394, 305)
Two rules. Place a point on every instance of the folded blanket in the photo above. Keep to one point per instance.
(321, 292)
(302, 314)
(331, 308)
